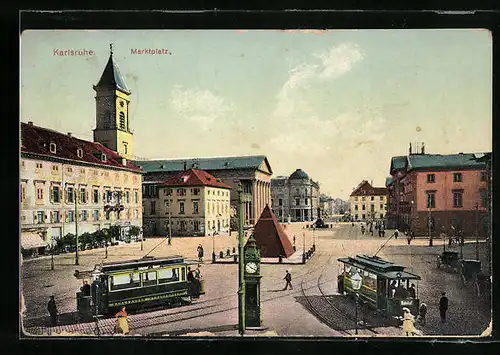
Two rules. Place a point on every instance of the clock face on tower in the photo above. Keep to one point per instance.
(251, 267)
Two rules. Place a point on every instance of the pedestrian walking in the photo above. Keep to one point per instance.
(443, 306)
(396, 234)
(340, 284)
(408, 323)
(288, 278)
(412, 235)
(52, 308)
(422, 311)
(169, 240)
(408, 238)
(121, 326)
(200, 253)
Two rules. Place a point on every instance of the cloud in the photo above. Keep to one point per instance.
(199, 106)
(339, 60)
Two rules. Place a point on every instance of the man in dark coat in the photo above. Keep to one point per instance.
(200, 253)
(52, 308)
(443, 306)
(288, 279)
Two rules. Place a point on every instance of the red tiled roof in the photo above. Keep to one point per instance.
(36, 140)
(194, 177)
(270, 237)
(365, 189)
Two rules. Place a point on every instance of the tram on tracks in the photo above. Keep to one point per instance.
(385, 286)
(136, 284)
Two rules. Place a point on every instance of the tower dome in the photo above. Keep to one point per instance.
(299, 175)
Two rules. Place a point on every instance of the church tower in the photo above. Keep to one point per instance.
(112, 111)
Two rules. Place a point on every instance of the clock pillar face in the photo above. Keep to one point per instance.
(251, 267)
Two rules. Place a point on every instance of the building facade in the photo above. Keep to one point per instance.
(192, 203)
(368, 203)
(66, 184)
(431, 193)
(296, 197)
(254, 173)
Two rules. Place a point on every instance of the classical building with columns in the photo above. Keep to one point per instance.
(254, 173)
(295, 197)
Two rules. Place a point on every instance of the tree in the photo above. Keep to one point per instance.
(85, 241)
(134, 232)
(69, 242)
(113, 233)
(99, 237)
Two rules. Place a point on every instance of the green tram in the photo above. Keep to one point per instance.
(385, 285)
(136, 284)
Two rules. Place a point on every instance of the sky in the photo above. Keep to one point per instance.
(338, 104)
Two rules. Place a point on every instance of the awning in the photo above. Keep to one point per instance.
(32, 240)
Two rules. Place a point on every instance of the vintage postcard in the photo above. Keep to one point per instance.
(277, 183)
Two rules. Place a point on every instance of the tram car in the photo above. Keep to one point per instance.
(385, 286)
(136, 284)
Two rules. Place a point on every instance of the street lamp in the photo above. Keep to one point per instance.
(314, 243)
(213, 244)
(356, 286)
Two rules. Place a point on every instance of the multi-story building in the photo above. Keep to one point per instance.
(254, 173)
(295, 197)
(192, 202)
(66, 183)
(434, 192)
(368, 202)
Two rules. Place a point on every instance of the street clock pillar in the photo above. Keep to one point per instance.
(252, 284)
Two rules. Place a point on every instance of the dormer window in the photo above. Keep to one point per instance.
(103, 158)
(79, 152)
(52, 148)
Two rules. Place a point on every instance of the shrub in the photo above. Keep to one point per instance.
(134, 232)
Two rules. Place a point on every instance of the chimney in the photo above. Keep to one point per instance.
(423, 148)
(30, 123)
(69, 134)
(185, 165)
(371, 182)
(409, 150)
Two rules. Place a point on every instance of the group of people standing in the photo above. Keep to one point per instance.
(379, 227)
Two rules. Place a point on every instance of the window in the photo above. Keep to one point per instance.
(457, 198)
(55, 217)
(168, 192)
(79, 153)
(69, 170)
(70, 216)
(305, 201)
(168, 275)
(431, 199)
(127, 196)
(363, 198)
(372, 208)
(381, 198)
(381, 215)
(457, 177)
(181, 207)
(125, 148)
(149, 278)
(103, 158)
(372, 198)
(484, 176)
(83, 195)
(84, 215)
(136, 196)
(23, 193)
(297, 201)
(431, 178)
(363, 216)
(167, 206)
(95, 197)
(484, 198)
(356, 198)
(122, 120)
(355, 207)
(364, 208)
(381, 206)
(181, 192)
(96, 215)
(280, 202)
(39, 217)
(196, 191)
(52, 147)
(124, 281)
(108, 215)
(196, 226)
(153, 207)
(39, 192)
(195, 207)
(69, 195)
(55, 168)
(107, 195)
(56, 194)
(39, 165)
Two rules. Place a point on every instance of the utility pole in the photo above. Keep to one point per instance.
(76, 193)
(241, 290)
(429, 222)
(477, 231)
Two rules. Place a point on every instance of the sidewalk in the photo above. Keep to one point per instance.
(295, 258)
